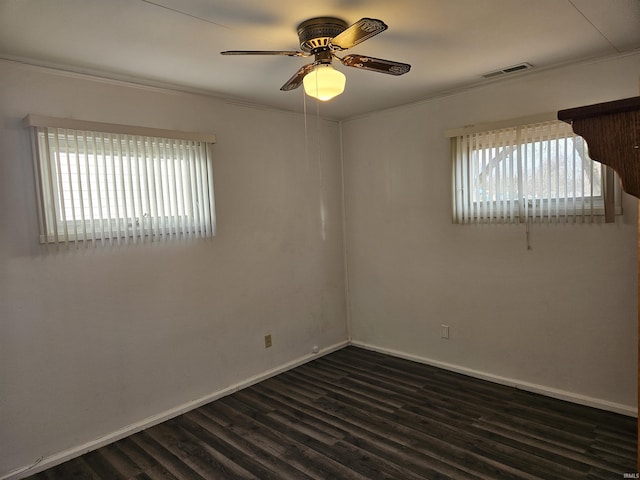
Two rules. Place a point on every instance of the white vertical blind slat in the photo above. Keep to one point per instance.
(486, 175)
(521, 193)
(184, 186)
(482, 183)
(591, 184)
(139, 186)
(480, 160)
(136, 185)
(148, 210)
(119, 174)
(582, 184)
(79, 189)
(463, 169)
(497, 166)
(504, 182)
(39, 182)
(152, 212)
(162, 186)
(115, 212)
(192, 202)
(60, 198)
(534, 167)
(197, 191)
(128, 194)
(464, 173)
(188, 190)
(547, 172)
(565, 198)
(473, 157)
(195, 219)
(48, 196)
(105, 208)
(456, 181)
(508, 175)
(556, 171)
(72, 202)
(175, 221)
(94, 187)
(210, 189)
(575, 183)
(524, 148)
(586, 171)
(513, 174)
(103, 179)
(494, 175)
(199, 202)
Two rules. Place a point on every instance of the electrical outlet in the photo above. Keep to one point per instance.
(444, 331)
(267, 341)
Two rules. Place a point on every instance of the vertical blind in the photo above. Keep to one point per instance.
(534, 172)
(103, 188)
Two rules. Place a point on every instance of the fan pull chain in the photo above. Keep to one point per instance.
(323, 214)
(306, 129)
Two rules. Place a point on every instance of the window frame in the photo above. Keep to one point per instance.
(550, 209)
(193, 152)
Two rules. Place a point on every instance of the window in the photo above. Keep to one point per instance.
(106, 184)
(534, 172)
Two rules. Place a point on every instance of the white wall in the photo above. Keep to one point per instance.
(92, 341)
(560, 318)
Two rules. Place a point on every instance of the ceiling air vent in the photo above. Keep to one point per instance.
(511, 69)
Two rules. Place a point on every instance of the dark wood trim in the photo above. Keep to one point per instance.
(599, 109)
(612, 131)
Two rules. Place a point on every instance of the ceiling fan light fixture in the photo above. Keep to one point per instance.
(324, 82)
(322, 37)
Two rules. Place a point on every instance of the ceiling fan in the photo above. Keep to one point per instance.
(322, 37)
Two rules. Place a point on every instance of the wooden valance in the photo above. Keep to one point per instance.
(612, 132)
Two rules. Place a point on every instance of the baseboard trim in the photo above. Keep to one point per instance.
(51, 461)
(627, 410)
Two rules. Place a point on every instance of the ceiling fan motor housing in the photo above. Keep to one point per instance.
(315, 34)
(322, 37)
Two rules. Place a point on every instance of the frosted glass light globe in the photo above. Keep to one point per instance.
(324, 82)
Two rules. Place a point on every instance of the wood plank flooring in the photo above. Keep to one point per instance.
(356, 414)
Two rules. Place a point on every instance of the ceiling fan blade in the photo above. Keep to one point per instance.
(295, 81)
(360, 31)
(288, 53)
(375, 64)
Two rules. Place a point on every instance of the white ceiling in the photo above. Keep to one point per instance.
(449, 43)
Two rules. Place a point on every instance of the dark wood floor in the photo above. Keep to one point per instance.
(356, 414)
